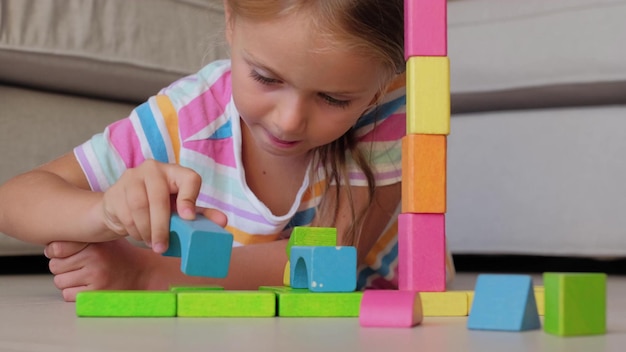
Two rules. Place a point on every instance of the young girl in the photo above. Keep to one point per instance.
(301, 127)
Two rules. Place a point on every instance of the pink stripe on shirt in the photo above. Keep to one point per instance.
(124, 138)
(392, 128)
(205, 108)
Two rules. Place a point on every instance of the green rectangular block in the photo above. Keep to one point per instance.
(575, 303)
(227, 304)
(311, 236)
(126, 304)
(177, 289)
(304, 303)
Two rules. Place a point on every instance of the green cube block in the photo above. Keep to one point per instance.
(126, 304)
(312, 236)
(304, 303)
(575, 303)
(227, 304)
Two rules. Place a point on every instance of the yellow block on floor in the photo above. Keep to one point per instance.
(444, 304)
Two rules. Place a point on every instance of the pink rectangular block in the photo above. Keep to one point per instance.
(425, 28)
(390, 308)
(421, 252)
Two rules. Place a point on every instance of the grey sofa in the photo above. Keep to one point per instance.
(538, 92)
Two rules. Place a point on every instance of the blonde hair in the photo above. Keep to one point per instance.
(371, 28)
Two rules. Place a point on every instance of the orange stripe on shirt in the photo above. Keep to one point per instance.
(247, 238)
(171, 123)
(313, 192)
(397, 82)
(381, 244)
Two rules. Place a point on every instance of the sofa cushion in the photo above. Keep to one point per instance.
(115, 49)
(536, 53)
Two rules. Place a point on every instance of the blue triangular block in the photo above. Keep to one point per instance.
(504, 302)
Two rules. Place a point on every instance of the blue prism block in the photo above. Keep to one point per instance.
(203, 246)
(504, 302)
(323, 269)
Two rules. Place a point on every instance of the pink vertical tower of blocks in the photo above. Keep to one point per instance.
(421, 236)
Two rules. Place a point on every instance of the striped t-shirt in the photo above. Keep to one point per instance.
(195, 123)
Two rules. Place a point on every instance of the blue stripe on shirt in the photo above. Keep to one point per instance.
(152, 132)
(384, 111)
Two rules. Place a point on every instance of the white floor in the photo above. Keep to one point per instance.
(33, 317)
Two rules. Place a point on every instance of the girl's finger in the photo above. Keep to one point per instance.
(214, 215)
(69, 294)
(63, 249)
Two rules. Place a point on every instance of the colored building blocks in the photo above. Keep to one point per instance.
(424, 173)
(227, 304)
(421, 252)
(304, 303)
(177, 289)
(323, 269)
(203, 246)
(312, 236)
(504, 302)
(444, 304)
(126, 304)
(428, 95)
(389, 308)
(425, 28)
(575, 303)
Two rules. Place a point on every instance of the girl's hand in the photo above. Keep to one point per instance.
(97, 266)
(138, 204)
(110, 265)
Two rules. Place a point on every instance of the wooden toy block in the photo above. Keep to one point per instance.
(425, 28)
(227, 304)
(390, 308)
(323, 269)
(304, 303)
(504, 303)
(428, 95)
(539, 299)
(177, 289)
(444, 304)
(424, 173)
(421, 252)
(287, 274)
(203, 246)
(126, 304)
(575, 303)
(312, 236)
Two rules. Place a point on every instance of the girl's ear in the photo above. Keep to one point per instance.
(229, 22)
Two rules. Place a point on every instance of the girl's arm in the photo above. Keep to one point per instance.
(251, 266)
(52, 203)
(384, 204)
(121, 265)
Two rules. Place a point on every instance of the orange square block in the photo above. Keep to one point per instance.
(424, 173)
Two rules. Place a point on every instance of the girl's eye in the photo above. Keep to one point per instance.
(262, 79)
(335, 102)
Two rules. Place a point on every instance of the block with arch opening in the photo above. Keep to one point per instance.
(323, 268)
(203, 246)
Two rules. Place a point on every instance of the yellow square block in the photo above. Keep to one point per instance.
(428, 95)
(444, 304)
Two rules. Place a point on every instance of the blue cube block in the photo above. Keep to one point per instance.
(203, 246)
(323, 269)
(504, 302)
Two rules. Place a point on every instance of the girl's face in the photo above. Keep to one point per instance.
(293, 92)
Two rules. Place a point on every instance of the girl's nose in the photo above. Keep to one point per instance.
(292, 116)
